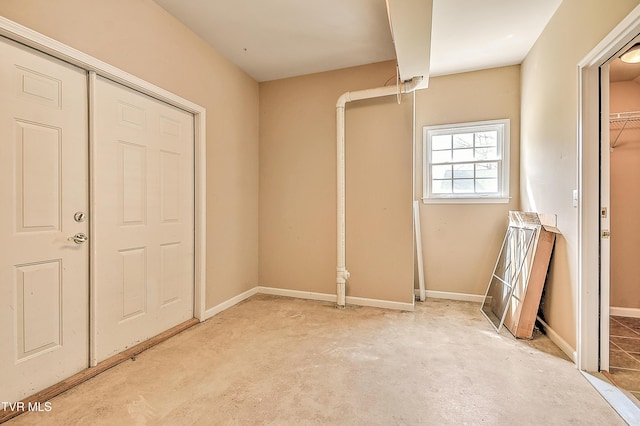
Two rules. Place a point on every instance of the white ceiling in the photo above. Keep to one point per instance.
(272, 39)
(620, 71)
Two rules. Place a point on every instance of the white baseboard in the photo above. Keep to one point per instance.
(559, 341)
(296, 294)
(478, 298)
(377, 303)
(351, 300)
(624, 312)
(228, 303)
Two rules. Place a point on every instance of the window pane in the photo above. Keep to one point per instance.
(441, 156)
(463, 154)
(441, 172)
(441, 142)
(487, 170)
(487, 138)
(463, 186)
(463, 171)
(465, 161)
(463, 140)
(486, 153)
(441, 186)
(486, 185)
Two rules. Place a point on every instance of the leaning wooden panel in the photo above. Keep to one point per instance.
(521, 315)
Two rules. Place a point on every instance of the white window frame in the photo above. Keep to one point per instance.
(503, 128)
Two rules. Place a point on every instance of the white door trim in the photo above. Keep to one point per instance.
(588, 324)
(605, 222)
(28, 37)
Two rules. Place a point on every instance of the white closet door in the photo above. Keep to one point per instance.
(143, 217)
(43, 181)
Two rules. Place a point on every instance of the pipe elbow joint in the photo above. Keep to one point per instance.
(410, 86)
(342, 100)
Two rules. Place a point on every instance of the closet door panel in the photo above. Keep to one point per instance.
(44, 182)
(144, 226)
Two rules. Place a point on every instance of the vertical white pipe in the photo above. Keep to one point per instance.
(416, 206)
(418, 236)
(341, 269)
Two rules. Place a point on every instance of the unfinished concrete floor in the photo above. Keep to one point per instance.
(272, 360)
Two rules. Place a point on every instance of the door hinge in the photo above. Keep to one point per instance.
(605, 233)
(603, 213)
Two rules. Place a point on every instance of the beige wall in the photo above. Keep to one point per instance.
(298, 185)
(549, 140)
(141, 38)
(379, 154)
(625, 204)
(461, 241)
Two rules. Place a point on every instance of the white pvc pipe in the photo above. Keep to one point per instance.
(418, 236)
(342, 272)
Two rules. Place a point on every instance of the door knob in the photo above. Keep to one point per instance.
(79, 238)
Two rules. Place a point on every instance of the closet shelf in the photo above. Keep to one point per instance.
(619, 121)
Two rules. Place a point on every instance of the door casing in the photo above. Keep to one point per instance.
(605, 218)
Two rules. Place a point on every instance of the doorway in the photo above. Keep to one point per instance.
(620, 229)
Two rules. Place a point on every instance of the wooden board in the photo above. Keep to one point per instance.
(525, 309)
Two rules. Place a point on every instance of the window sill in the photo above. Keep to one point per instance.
(466, 200)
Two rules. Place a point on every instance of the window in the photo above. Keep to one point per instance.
(466, 163)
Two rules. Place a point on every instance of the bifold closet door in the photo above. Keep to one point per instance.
(44, 319)
(143, 207)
